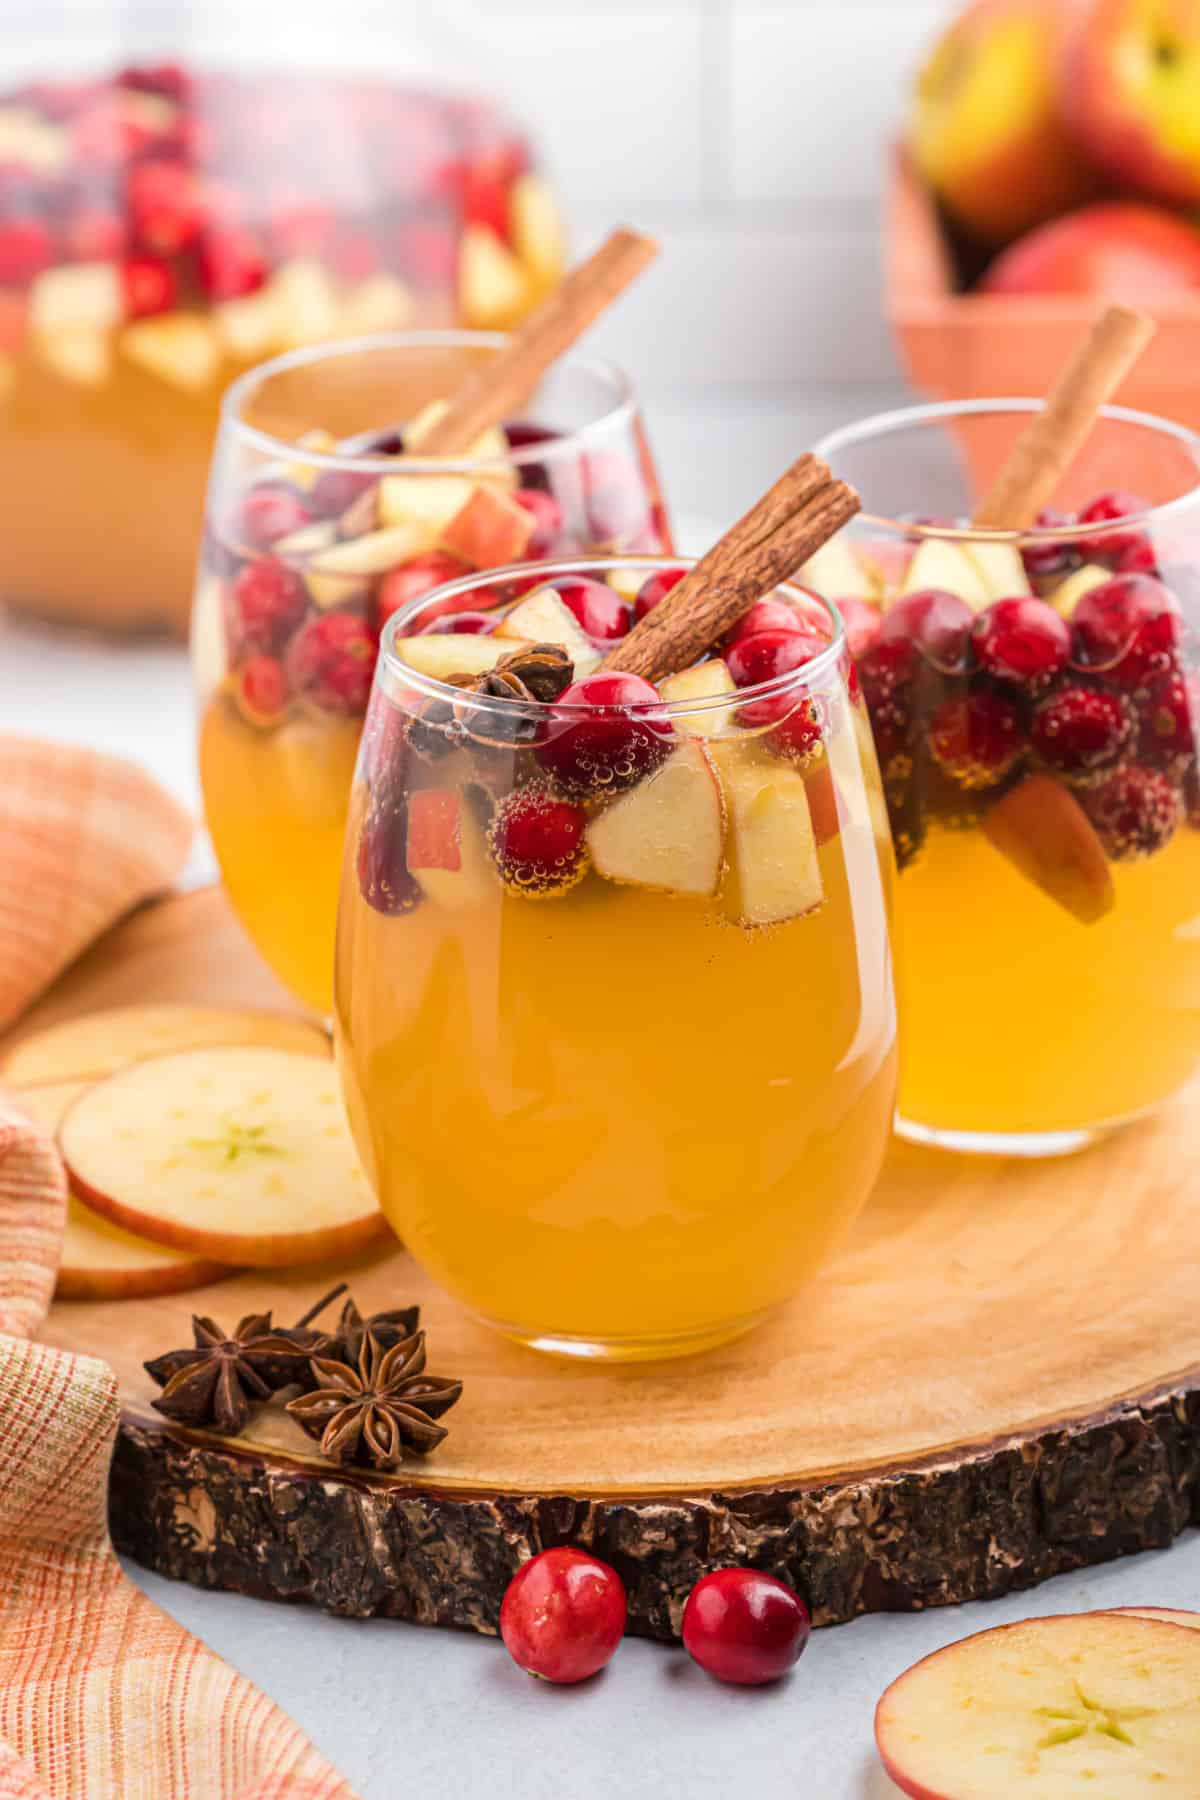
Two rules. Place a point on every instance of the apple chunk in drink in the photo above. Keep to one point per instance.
(613, 987)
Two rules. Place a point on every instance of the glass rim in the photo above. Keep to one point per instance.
(253, 379)
(807, 675)
(900, 418)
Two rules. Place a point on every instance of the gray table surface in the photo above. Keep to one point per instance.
(405, 1710)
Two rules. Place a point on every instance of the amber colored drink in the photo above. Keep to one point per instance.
(620, 1090)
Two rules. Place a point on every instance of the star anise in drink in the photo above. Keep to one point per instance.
(536, 675)
(216, 1382)
(372, 1409)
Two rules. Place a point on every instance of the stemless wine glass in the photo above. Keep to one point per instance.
(1034, 707)
(614, 998)
(318, 528)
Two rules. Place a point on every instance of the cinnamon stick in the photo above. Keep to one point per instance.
(766, 545)
(1050, 443)
(501, 386)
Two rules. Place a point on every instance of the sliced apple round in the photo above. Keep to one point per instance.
(1166, 1615)
(668, 832)
(1099, 1704)
(99, 1043)
(241, 1154)
(100, 1261)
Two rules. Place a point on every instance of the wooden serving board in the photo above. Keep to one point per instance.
(998, 1379)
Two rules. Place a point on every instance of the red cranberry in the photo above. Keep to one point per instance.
(538, 843)
(976, 739)
(656, 587)
(863, 623)
(468, 624)
(1103, 510)
(230, 262)
(776, 614)
(563, 1615)
(791, 724)
(420, 575)
(610, 749)
(599, 609)
(935, 622)
(148, 286)
(1050, 561)
(271, 511)
(1137, 558)
(167, 206)
(26, 248)
(1023, 642)
(336, 489)
(1168, 714)
(1127, 629)
(261, 690)
(1080, 731)
(885, 672)
(744, 1627)
(269, 601)
(767, 654)
(331, 661)
(1135, 812)
(547, 520)
(95, 234)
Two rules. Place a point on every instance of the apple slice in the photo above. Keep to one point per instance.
(240, 1154)
(489, 529)
(1057, 1708)
(536, 224)
(99, 1261)
(709, 680)
(668, 832)
(338, 574)
(250, 327)
(938, 563)
(1000, 568)
(426, 503)
(836, 570)
(99, 1043)
(447, 851)
(1070, 591)
(493, 289)
(380, 303)
(305, 302)
(80, 355)
(774, 873)
(490, 446)
(1046, 835)
(1167, 1615)
(180, 348)
(543, 618)
(441, 655)
(76, 297)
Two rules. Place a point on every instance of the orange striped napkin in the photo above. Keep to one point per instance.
(102, 1696)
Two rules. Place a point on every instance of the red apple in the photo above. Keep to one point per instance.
(1131, 91)
(1119, 250)
(985, 128)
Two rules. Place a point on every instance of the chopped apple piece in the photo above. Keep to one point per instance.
(310, 540)
(447, 849)
(99, 1043)
(836, 570)
(180, 348)
(709, 680)
(76, 297)
(489, 445)
(1070, 591)
(79, 354)
(442, 654)
(1053, 1708)
(1046, 835)
(305, 302)
(669, 831)
(626, 582)
(774, 873)
(489, 529)
(937, 563)
(252, 326)
(822, 800)
(337, 575)
(242, 1155)
(493, 288)
(543, 618)
(381, 303)
(1000, 569)
(425, 503)
(304, 473)
(536, 224)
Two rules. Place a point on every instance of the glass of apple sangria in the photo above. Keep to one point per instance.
(1034, 699)
(323, 520)
(614, 998)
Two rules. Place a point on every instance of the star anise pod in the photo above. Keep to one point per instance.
(387, 1328)
(216, 1382)
(371, 1410)
(537, 674)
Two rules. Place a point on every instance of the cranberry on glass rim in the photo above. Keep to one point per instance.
(1040, 777)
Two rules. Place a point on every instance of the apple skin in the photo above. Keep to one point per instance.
(985, 127)
(1118, 250)
(1130, 82)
